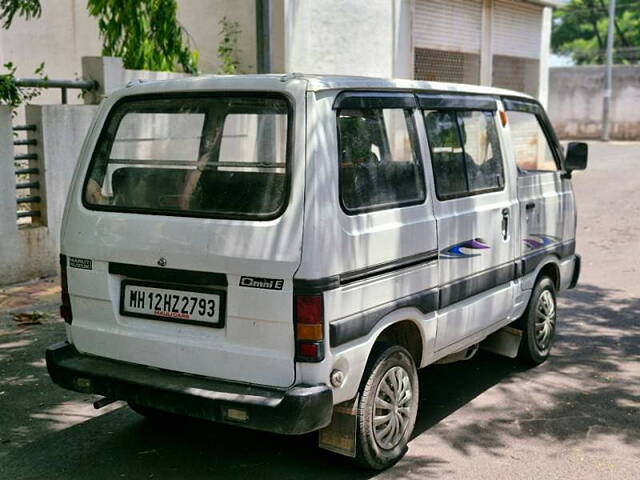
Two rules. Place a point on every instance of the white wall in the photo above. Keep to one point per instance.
(60, 37)
(65, 33)
(576, 97)
(32, 250)
(355, 37)
(200, 18)
(347, 37)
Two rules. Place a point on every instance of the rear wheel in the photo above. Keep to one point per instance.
(387, 407)
(538, 324)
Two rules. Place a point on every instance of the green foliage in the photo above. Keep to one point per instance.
(23, 8)
(145, 33)
(228, 47)
(14, 95)
(580, 30)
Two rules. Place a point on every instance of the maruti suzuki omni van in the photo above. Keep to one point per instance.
(284, 252)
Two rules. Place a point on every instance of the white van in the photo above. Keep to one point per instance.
(283, 252)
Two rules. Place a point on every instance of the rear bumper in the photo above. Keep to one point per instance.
(299, 410)
(577, 261)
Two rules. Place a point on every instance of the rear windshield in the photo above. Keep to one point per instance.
(223, 157)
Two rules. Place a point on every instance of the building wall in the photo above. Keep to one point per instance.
(576, 97)
(355, 37)
(502, 43)
(60, 37)
(201, 19)
(65, 33)
(347, 37)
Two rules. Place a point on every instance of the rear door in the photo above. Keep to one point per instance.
(189, 226)
(475, 208)
(546, 198)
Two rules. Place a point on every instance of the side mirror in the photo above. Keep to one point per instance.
(576, 158)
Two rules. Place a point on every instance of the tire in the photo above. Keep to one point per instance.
(538, 323)
(390, 371)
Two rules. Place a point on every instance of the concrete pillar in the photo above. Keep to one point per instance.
(545, 46)
(402, 54)
(61, 130)
(107, 71)
(278, 36)
(24, 252)
(317, 35)
(486, 45)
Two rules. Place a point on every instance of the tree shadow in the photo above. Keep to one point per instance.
(588, 389)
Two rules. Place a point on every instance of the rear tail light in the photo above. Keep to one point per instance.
(65, 307)
(309, 325)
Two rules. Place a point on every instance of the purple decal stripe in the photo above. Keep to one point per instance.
(476, 244)
(454, 251)
(539, 240)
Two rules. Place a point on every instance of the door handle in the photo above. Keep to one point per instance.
(505, 224)
(530, 206)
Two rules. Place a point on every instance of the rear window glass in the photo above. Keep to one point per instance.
(206, 156)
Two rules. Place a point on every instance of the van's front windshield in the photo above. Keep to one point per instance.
(214, 156)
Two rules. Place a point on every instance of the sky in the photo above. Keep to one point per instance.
(560, 60)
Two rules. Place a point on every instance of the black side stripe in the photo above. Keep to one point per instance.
(320, 285)
(472, 285)
(171, 275)
(427, 301)
(406, 262)
(359, 325)
(562, 250)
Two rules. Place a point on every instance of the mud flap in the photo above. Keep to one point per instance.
(340, 435)
(505, 341)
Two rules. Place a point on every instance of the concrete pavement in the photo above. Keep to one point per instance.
(575, 417)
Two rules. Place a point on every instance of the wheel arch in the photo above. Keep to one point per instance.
(552, 270)
(405, 326)
(548, 266)
(405, 333)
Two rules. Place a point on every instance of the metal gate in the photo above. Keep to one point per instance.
(441, 54)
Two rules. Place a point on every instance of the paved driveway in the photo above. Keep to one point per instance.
(575, 417)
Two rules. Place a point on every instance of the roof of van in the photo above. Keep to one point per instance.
(332, 82)
(313, 83)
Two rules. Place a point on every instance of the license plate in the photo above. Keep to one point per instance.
(194, 306)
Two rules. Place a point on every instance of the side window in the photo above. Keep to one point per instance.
(465, 152)
(379, 164)
(530, 145)
(447, 155)
(483, 161)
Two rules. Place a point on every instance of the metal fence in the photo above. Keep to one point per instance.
(63, 85)
(27, 177)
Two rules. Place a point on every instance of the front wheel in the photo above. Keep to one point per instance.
(387, 407)
(538, 324)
